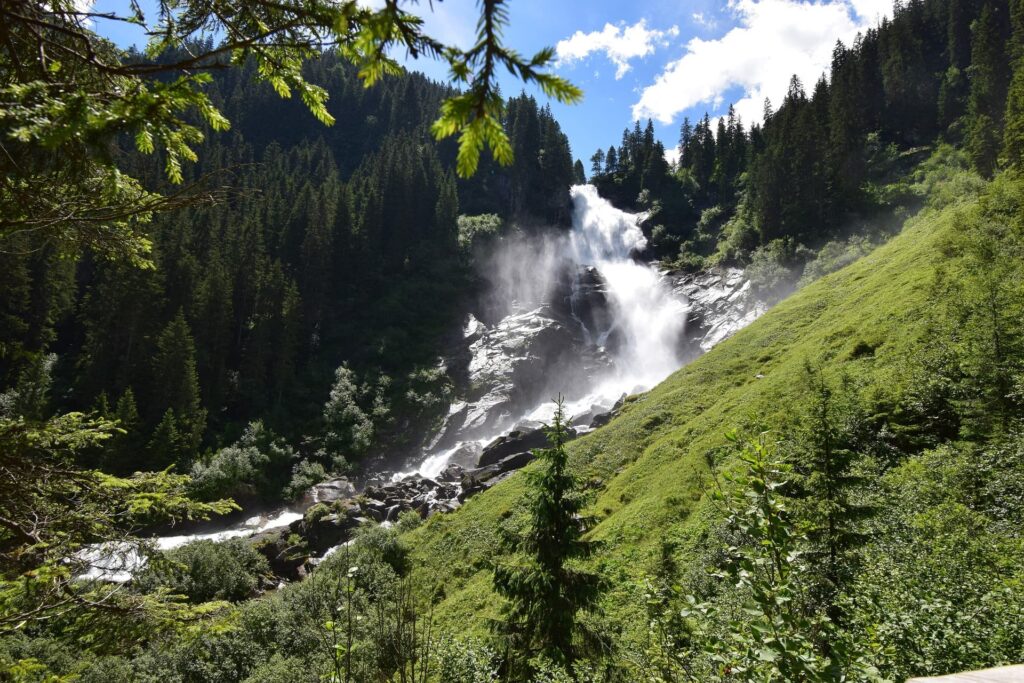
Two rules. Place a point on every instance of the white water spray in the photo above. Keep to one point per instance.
(647, 317)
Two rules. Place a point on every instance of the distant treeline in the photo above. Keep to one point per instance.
(812, 171)
(334, 245)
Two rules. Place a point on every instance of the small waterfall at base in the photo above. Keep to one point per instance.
(639, 334)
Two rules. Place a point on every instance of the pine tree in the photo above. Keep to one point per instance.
(1013, 131)
(167, 446)
(987, 101)
(122, 452)
(611, 164)
(826, 450)
(547, 589)
(175, 386)
(597, 163)
(579, 175)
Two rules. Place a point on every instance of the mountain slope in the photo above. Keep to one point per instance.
(649, 466)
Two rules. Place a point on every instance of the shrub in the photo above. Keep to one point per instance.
(834, 256)
(770, 265)
(475, 230)
(251, 466)
(305, 474)
(205, 570)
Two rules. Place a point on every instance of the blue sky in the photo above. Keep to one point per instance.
(661, 59)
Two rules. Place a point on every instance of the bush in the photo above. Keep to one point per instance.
(770, 265)
(474, 230)
(204, 571)
(834, 256)
(252, 466)
(305, 474)
(283, 670)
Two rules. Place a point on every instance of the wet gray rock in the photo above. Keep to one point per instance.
(513, 365)
(328, 491)
(514, 442)
(721, 301)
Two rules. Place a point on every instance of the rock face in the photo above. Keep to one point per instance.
(517, 363)
(721, 301)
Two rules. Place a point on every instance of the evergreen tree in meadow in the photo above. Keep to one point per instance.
(546, 588)
(825, 452)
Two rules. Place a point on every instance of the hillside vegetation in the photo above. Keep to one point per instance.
(877, 322)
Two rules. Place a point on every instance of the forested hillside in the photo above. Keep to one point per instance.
(819, 168)
(193, 317)
(334, 259)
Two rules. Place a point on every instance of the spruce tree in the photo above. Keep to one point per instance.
(167, 446)
(579, 175)
(546, 588)
(825, 444)
(175, 384)
(1013, 130)
(989, 79)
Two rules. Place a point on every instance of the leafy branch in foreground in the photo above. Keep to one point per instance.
(68, 98)
(62, 526)
(776, 635)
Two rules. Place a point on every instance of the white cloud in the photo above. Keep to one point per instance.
(701, 20)
(672, 155)
(620, 43)
(773, 40)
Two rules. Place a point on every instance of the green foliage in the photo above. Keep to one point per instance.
(772, 265)
(546, 588)
(252, 466)
(52, 511)
(477, 230)
(833, 256)
(72, 95)
(826, 445)
(305, 473)
(989, 74)
(476, 114)
(774, 641)
(348, 426)
(205, 571)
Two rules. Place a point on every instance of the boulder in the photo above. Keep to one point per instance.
(509, 463)
(328, 491)
(515, 442)
(285, 560)
(511, 443)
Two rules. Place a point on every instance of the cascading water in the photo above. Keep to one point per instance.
(640, 334)
(646, 315)
(577, 314)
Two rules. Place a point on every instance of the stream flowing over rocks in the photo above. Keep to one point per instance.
(579, 315)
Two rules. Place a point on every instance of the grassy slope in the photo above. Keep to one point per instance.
(651, 460)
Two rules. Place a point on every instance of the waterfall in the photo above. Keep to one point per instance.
(639, 334)
(578, 314)
(648, 318)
